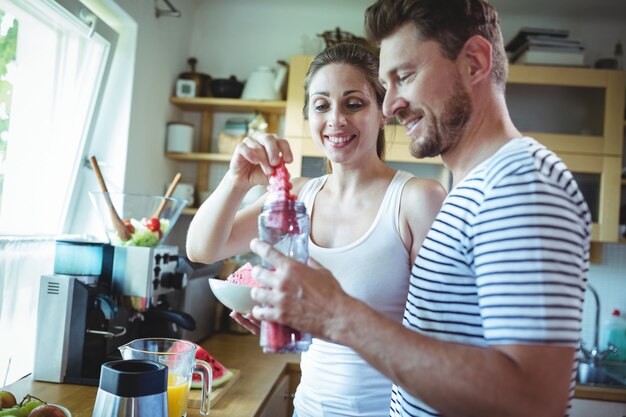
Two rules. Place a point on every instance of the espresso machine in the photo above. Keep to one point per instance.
(98, 298)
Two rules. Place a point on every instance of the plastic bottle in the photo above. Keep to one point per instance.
(285, 225)
(615, 334)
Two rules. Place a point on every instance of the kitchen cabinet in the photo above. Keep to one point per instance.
(579, 114)
(586, 408)
(277, 404)
(207, 107)
(576, 112)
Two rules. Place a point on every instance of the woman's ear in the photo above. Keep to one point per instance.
(476, 54)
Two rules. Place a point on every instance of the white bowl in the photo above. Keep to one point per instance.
(234, 296)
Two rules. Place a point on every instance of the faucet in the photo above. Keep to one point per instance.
(594, 356)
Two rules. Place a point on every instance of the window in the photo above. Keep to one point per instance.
(56, 63)
(54, 60)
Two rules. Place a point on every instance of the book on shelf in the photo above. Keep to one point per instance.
(524, 33)
(551, 56)
(572, 47)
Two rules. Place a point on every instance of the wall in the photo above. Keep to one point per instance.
(162, 45)
(233, 37)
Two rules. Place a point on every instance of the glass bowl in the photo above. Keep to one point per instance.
(136, 210)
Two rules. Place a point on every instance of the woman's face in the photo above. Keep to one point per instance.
(344, 116)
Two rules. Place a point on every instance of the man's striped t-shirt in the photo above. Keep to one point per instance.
(505, 261)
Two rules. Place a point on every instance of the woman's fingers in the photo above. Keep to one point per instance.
(266, 150)
(255, 153)
(275, 146)
(248, 322)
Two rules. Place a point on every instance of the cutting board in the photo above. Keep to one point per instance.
(195, 395)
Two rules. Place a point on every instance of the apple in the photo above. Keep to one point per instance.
(7, 400)
(47, 410)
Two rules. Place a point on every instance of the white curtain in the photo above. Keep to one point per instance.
(56, 78)
(22, 262)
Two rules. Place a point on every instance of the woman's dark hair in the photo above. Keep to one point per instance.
(450, 23)
(361, 59)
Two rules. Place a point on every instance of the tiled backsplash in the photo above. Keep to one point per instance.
(609, 279)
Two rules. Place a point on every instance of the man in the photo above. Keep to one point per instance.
(492, 319)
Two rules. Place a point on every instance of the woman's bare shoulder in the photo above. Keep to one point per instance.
(424, 188)
(298, 183)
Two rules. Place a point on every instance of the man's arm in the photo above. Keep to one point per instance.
(455, 379)
(458, 379)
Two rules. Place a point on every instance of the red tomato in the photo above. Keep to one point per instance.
(129, 226)
(153, 224)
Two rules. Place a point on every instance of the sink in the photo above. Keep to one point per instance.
(612, 374)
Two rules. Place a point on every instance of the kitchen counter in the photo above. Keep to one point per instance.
(247, 397)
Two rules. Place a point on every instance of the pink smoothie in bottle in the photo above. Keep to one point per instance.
(284, 224)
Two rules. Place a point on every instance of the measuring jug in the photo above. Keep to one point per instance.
(180, 358)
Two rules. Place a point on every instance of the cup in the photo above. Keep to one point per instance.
(180, 358)
(132, 388)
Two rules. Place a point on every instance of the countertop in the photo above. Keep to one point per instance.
(246, 398)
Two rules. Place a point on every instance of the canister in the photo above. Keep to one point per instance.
(179, 137)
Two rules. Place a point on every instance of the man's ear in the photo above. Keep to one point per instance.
(476, 55)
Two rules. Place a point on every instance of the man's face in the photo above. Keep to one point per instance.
(424, 92)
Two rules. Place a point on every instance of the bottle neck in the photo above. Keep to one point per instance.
(285, 205)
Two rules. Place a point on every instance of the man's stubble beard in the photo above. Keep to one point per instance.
(447, 131)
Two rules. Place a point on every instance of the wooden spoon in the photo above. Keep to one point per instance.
(168, 194)
(119, 225)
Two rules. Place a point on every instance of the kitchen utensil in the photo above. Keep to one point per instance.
(265, 84)
(226, 87)
(202, 80)
(180, 358)
(234, 296)
(337, 36)
(120, 228)
(168, 194)
(132, 388)
(137, 209)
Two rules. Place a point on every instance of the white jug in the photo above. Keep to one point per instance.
(264, 84)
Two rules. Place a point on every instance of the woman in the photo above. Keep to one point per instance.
(367, 220)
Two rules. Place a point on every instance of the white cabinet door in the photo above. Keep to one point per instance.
(592, 408)
(278, 403)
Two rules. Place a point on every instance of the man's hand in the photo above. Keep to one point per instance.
(301, 296)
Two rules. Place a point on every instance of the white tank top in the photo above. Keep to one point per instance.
(336, 381)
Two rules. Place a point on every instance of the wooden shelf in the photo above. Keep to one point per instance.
(217, 104)
(198, 157)
(189, 211)
(555, 75)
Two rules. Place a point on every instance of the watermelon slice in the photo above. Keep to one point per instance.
(279, 189)
(221, 374)
(243, 276)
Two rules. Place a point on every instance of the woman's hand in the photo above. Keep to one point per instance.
(250, 323)
(255, 157)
